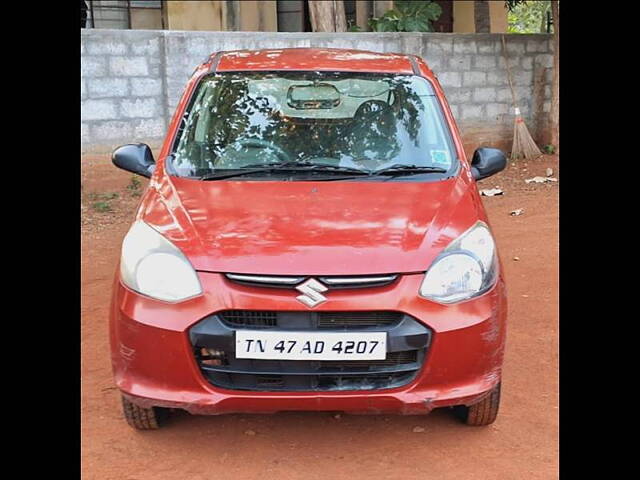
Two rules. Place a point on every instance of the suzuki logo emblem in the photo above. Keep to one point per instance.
(312, 293)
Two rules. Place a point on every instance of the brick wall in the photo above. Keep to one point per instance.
(131, 80)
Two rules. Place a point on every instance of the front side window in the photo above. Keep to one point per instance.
(359, 121)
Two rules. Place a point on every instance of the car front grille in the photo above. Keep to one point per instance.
(213, 341)
(323, 320)
(331, 282)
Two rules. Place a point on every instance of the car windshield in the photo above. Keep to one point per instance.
(338, 119)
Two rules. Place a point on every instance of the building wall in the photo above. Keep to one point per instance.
(258, 16)
(381, 6)
(146, 19)
(223, 15)
(364, 11)
(262, 15)
(131, 80)
(109, 14)
(464, 16)
(498, 14)
(206, 15)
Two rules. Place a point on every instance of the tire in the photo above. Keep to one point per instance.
(143, 418)
(482, 413)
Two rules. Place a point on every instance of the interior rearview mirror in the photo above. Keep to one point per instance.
(314, 96)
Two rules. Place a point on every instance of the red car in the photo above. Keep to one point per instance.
(312, 238)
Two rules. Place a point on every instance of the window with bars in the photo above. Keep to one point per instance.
(124, 14)
(293, 16)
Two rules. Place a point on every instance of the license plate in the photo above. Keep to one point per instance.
(311, 346)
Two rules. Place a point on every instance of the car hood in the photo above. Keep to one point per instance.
(308, 228)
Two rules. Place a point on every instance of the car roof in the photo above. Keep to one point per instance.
(317, 59)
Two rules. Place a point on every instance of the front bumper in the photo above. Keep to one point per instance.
(154, 364)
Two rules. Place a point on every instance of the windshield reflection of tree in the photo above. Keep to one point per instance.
(372, 136)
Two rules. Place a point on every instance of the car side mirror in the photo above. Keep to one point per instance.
(136, 158)
(487, 162)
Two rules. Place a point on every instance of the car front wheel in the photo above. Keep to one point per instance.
(482, 413)
(143, 418)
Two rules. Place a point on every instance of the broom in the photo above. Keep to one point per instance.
(523, 144)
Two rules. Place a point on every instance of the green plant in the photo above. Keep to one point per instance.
(511, 4)
(408, 16)
(103, 196)
(549, 149)
(529, 17)
(134, 186)
(102, 207)
(101, 201)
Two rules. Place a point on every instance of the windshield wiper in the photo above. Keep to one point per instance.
(309, 166)
(331, 167)
(232, 172)
(277, 167)
(400, 169)
(272, 165)
(324, 167)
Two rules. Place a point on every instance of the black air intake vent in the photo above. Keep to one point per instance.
(324, 320)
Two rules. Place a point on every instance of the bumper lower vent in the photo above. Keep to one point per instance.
(323, 320)
(358, 319)
(250, 318)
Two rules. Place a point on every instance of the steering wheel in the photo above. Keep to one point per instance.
(282, 154)
(367, 111)
(371, 108)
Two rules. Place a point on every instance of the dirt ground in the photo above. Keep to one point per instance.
(521, 444)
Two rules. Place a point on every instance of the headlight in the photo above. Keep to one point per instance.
(152, 265)
(465, 269)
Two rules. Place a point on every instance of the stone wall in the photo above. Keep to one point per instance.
(131, 80)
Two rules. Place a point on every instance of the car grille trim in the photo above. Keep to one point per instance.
(335, 281)
(265, 279)
(331, 281)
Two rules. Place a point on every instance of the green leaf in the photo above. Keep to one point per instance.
(392, 14)
(415, 24)
(387, 25)
(511, 4)
(403, 6)
(408, 16)
(421, 8)
(433, 11)
(528, 17)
